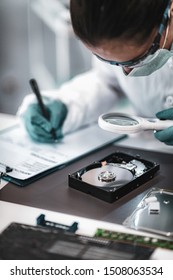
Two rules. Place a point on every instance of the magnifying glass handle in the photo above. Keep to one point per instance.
(160, 124)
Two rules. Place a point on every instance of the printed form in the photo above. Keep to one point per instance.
(28, 158)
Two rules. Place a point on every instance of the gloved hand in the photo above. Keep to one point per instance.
(41, 129)
(165, 135)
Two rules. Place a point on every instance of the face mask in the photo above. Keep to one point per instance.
(160, 58)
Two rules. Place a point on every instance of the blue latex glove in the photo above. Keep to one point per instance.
(38, 127)
(165, 135)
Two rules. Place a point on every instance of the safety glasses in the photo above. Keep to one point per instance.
(151, 53)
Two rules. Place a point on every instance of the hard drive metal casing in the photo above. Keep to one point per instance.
(143, 172)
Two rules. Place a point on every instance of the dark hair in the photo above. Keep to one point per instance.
(96, 20)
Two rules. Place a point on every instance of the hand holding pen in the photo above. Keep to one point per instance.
(43, 121)
(43, 108)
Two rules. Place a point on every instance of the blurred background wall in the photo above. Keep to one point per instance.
(36, 41)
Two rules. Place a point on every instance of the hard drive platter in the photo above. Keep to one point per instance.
(107, 176)
(113, 176)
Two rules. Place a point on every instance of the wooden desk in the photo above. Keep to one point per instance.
(52, 196)
(52, 192)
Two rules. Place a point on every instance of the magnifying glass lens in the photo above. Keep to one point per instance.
(121, 120)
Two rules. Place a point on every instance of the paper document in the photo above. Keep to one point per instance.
(29, 159)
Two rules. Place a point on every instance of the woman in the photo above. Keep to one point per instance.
(131, 42)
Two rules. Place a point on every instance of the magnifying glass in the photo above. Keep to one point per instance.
(127, 124)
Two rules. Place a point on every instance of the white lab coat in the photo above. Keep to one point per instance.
(95, 92)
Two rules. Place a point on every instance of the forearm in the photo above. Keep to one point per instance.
(86, 97)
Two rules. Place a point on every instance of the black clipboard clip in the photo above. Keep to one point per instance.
(6, 170)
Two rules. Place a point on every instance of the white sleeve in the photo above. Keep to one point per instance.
(86, 96)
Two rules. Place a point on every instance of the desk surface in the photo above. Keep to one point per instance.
(52, 192)
(7, 120)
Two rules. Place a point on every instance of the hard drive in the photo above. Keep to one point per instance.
(114, 176)
(153, 213)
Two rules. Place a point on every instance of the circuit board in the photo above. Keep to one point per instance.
(134, 239)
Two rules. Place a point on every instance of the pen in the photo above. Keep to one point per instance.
(44, 111)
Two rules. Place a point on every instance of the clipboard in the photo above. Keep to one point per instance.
(23, 161)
